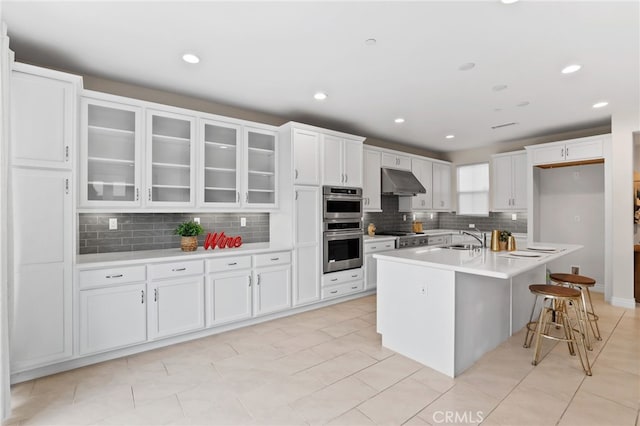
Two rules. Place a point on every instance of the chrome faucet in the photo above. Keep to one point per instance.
(482, 239)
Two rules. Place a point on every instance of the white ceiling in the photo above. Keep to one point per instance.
(273, 56)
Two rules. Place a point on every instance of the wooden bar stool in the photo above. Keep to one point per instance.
(583, 284)
(557, 302)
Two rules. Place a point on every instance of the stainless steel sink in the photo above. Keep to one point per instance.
(463, 246)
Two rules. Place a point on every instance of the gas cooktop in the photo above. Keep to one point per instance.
(399, 233)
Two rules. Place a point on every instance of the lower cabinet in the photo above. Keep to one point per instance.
(112, 317)
(370, 263)
(272, 292)
(342, 283)
(228, 297)
(176, 306)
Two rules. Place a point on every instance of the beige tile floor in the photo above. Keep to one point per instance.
(328, 367)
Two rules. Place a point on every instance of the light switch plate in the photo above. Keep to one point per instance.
(113, 223)
(196, 219)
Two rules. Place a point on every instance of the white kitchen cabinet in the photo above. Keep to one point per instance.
(396, 161)
(260, 168)
(112, 317)
(509, 181)
(441, 186)
(370, 263)
(423, 171)
(176, 306)
(43, 117)
(272, 289)
(110, 154)
(228, 297)
(170, 151)
(307, 223)
(41, 238)
(342, 161)
(371, 181)
(574, 150)
(342, 283)
(306, 157)
(220, 163)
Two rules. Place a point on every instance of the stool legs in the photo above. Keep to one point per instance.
(591, 316)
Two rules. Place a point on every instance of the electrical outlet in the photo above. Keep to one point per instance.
(576, 219)
(575, 269)
(243, 221)
(414, 217)
(113, 223)
(196, 219)
(514, 216)
(431, 216)
(472, 225)
(404, 217)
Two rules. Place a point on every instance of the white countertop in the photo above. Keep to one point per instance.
(379, 238)
(485, 262)
(144, 256)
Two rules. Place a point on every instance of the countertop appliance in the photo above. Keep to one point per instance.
(414, 239)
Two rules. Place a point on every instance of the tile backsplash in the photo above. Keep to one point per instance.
(493, 221)
(152, 231)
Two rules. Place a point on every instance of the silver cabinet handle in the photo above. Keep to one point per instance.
(179, 269)
(566, 152)
(66, 153)
(237, 196)
(354, 276)
(275, 258)
(346, 178)
(374, 247)
(114, 276)
(249, 280)
(296, 173)
(246, 197)
(142, 298)
(334, 279)
(562, 153)
(333, 292)
(232, 263)
(155, 295)
(354, 287)
(149, 194)
(258, 280)
(137, 194)
(296, 195)
(66, 186)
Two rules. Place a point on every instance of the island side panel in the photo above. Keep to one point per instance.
(483, 317)
(416, 313)
(522, 298)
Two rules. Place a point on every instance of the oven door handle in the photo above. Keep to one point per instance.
(343, 197)
(338, 235)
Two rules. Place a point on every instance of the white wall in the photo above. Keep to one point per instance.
(636, 178)
(571, 210)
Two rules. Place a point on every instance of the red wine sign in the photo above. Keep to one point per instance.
(221, 241)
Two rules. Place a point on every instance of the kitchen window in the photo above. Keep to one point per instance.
(473, 189)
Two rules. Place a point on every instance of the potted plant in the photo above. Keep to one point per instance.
(504, 237)
(189, 232)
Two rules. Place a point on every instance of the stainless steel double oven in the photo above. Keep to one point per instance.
(342, 237)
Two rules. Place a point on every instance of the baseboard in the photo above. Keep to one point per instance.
(598, 288)
(623, 302)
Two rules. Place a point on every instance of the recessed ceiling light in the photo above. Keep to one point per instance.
(370, 41)
(508, 1)
(600, 104)
(320, 96)
(190, 58)
(499, 87)
(571, 68)
(450, 136)
(523, 104)
(399, 120)
(467, 66)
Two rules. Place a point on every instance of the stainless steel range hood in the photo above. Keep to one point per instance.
(400, 182)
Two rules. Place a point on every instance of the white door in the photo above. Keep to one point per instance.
(502, 182)
(332, 154)
(272, 290)
(519, 176)
(307, 234)
(352, 163)
(176, 306)
(441, 186)
(170, 151)
(423, 170)
(306, 157)
(228, 297)
(371, 181)
(261, 165)
(41, 237)
(220, 164)
(42, 121)
(112, 317)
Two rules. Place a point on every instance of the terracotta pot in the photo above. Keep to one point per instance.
(189, 243)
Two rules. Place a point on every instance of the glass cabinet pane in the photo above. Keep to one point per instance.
(111, 145)
(170, 159)
(220, 164)
(261, 162)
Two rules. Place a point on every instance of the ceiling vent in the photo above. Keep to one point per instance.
(498, 126)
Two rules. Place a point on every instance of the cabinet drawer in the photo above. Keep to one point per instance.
(272, 258)
(342, 277)
(107, 276)
(437, 239)
(228, 264)
(342, 289)
(374, 247)
(176, 269)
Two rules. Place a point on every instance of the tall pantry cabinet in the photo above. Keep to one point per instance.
(41, 196)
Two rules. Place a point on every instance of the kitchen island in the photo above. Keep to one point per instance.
(445, 308)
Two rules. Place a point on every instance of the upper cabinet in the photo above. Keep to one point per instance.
(441, 186)
(396, 161)
(220, 163)
(260, 168)
(306, 157)
(509, 181)
(342, 161)
(371, 181)
(110, 147)
(43, 113)
(570, 151)
(423, 171)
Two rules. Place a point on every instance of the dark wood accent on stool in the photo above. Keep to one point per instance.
(554, 290)
(573, 279)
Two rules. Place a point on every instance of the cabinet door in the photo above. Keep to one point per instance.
(307, 220)
(584, 150)
(306, 261)
(261, 168)
(371, 181)
(228, 297)
(170, 178)
(370, 272)
(42, 120)
(441, 186)
(352, 163)
(272, 291)
(519, 176)
(220, 164)
(395, 161)
(332, 154)
(423, 171)
(110, 154)
(548, 155)
(112, 317)
(502, 182)
(176, 306)
(307, 233)
(306, 157)
(41, 236)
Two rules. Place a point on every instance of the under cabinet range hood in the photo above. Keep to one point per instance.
(400, 182)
